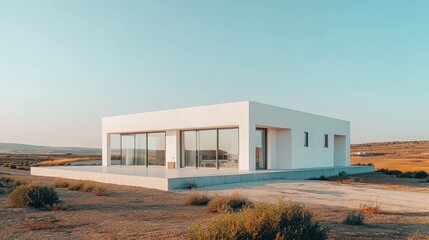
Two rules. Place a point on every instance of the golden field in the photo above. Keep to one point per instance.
(403, 156)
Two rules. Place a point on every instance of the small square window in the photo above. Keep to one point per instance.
(305, 139)
(326, 141)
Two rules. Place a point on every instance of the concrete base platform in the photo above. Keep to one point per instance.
(169, 179)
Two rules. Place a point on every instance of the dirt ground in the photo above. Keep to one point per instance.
(127, 213)
(139, 213)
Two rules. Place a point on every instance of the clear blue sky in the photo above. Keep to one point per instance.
(66, 64)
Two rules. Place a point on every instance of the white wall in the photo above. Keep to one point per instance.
(315, 155)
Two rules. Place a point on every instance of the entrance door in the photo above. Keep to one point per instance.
(261, 148)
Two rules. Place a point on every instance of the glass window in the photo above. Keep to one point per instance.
(326, 140)
(189, 148)
(127, 149)
(261, 148)
(140, 153)
(156, 149)
(207, 145)
(305, 139)
(115, 149)
(228, 148)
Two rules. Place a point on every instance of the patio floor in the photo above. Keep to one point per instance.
(169, 179)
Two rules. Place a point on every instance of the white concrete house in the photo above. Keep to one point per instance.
(242, 135)
(216, 144)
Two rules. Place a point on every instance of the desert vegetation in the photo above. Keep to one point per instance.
(262, 221)
(84, 186)
(355, 218)
(197, 198)
(400, 174)
(229, 203)
(33, 195)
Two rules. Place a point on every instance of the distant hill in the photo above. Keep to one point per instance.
(34, 149)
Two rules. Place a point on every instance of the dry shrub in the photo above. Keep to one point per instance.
(371, 208)
(33, 195)
(100, 191)
(87, 186)
(264, 221)
(197, 198)
(355, 218)
(75, 185)
(61, 183)
(232, 203)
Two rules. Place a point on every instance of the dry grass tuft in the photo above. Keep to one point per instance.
(84, 186)
(75, 185)
(355, 218)
(87, 186)
(100, 191)
(371, 208)
(61, 183)
(232, 203)
(197, 198)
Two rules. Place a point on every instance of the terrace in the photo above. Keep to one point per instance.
(169, 179)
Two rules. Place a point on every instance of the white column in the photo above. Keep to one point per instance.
(247, 159)
(106, 147)
(271, 148)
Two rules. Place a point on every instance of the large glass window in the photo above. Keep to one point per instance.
(228, 148)
(143, 149)
(156, 149)
(261, 148)
(207, 145)
(127, 149)
(210, 148)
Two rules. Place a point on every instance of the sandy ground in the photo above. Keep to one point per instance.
(330, 194)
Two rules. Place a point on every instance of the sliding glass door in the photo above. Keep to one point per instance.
(143, 149)
(189, 148)
(211, 148)
(127, 149)
(207, 148)
(228, 148)
(156, 149)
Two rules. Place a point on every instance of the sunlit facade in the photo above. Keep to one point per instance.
(242, 135)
